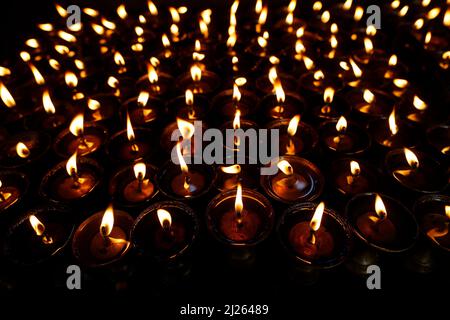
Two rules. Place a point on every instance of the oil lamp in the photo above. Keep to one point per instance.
(297, 179)
(189, 106)
(439, 138)
(382, 222)
(370, 103)
(281, 105)
(144, 110)
(41, 234)
(416, 171)
(240, 219)
(353, 176)
(393, 132)
(229, 176)
(101, 108)
(83, 138)
(24, 149)
(103, 238)
(314, 236)
(71, 181)
(332, 106)
(265, 83)
(433, 213)
(130, 144)
(414, 109)
(183, 128)
(134, 185)
(296, 137)
(183, 182)
(53, 117)
(13, 188)
(343, 137)
(199, 81)
(156, 83)
(165, 231)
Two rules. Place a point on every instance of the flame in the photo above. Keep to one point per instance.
(293, 125)
(279, 92)
(356, 69)
(446, 150)
(234, 169)
(37, 225)
(447, 211)
(91, 12)
(368, 96)
(289, 18)
(446, 20)
(400, 83)
(285, 167)
(152, 8)
(403, 11)
(54, 64)
(6, 96)
(380, 209)
(334, 28)
(37, 74)
(411, 158)
(67, 36)
(196, 72)
(203, 28)
(71, 79)
(317, 217)
(355, 168)
(238, 204)
(328, 95)
(262, 41)
(273, 75)
(359, 13)
(347, 5)
(139, 31)
(164, 217)
(236, 93)
(419, 104)
(61, 49)
(143, 98)
(393, 60)
(165, 41)
(152, 74)
(319, 75)
(22, 150)
(45, 27)
(108, 24)
(186, 128)
(392, 123)
(118, 59)
(333, 42)
(122, 11)
(174, 14)
(77, 125)
(61, 11)
(325, 18)
(341, 125)
(433, 13)
(263, 16)
(71, 165)
(237, 119)
(426, 3)
(418, 24)
(428, 37)
(395, 4)
(183, 165)
(206, 16)
(32, 43)
(317, 6)
(113, 82)
(189, 97)
(107, 223)
(299, 47)
(93, 104)
(371, 30)
(4, 71)
(258, 6)
(368, 46)
(130, 131)
(140, 170)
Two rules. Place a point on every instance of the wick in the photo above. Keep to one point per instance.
(106, 239)
(140, 182)
(76, 179)
(239, 221)
(312, 237)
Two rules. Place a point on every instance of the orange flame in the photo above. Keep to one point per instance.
(341, 125)
(234, 169)
(71, 165)
(380, 208)
(317, 217)
(6, 96)
(107, 223)
(285, 167)
(238, 204)
(164, 217)
(77, 125)
(22, 150)
(293, 125)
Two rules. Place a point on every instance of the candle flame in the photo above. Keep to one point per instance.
(118, 59)
(77, 125)
(392, 123)
(317, 6)
(71, 79)
(71, 165)
(238, 204)
(273, 75)
(368, 45)
(428, 37)
(447, 211)
(359, 13)
(279, 92)
(371, 30)
(130, 131)
(107, 223)
(93, 104)
(113, 82)
(263, 16)
(341, 125)
(419, 104)
(165, 41)
(355, 168)
(164, 217)
(6, 96)
(152, 8)
(419, 23)
(328, 95)
(45, 27)
(317, 217)
(22, 150)
(37, 225)
(433, 13)
(122, 11)
(143, 98)
(231, 169)
(347, 5)
(400, 83)
(446, 19)
(380, 208)
(355, 68)
(183, 165)
(237, 119)
(196, 73)
(189, 97)
(293, 125)
(140, 170)
(325, 17)
(152, 74)
(285, 167)
(411, 158)
(319, 75)
(368, 96)
(186, 128)
(37, 74)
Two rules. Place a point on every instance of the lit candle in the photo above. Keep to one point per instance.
(8, 196)
(84, 143)
(140, 188)
(39, 229)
